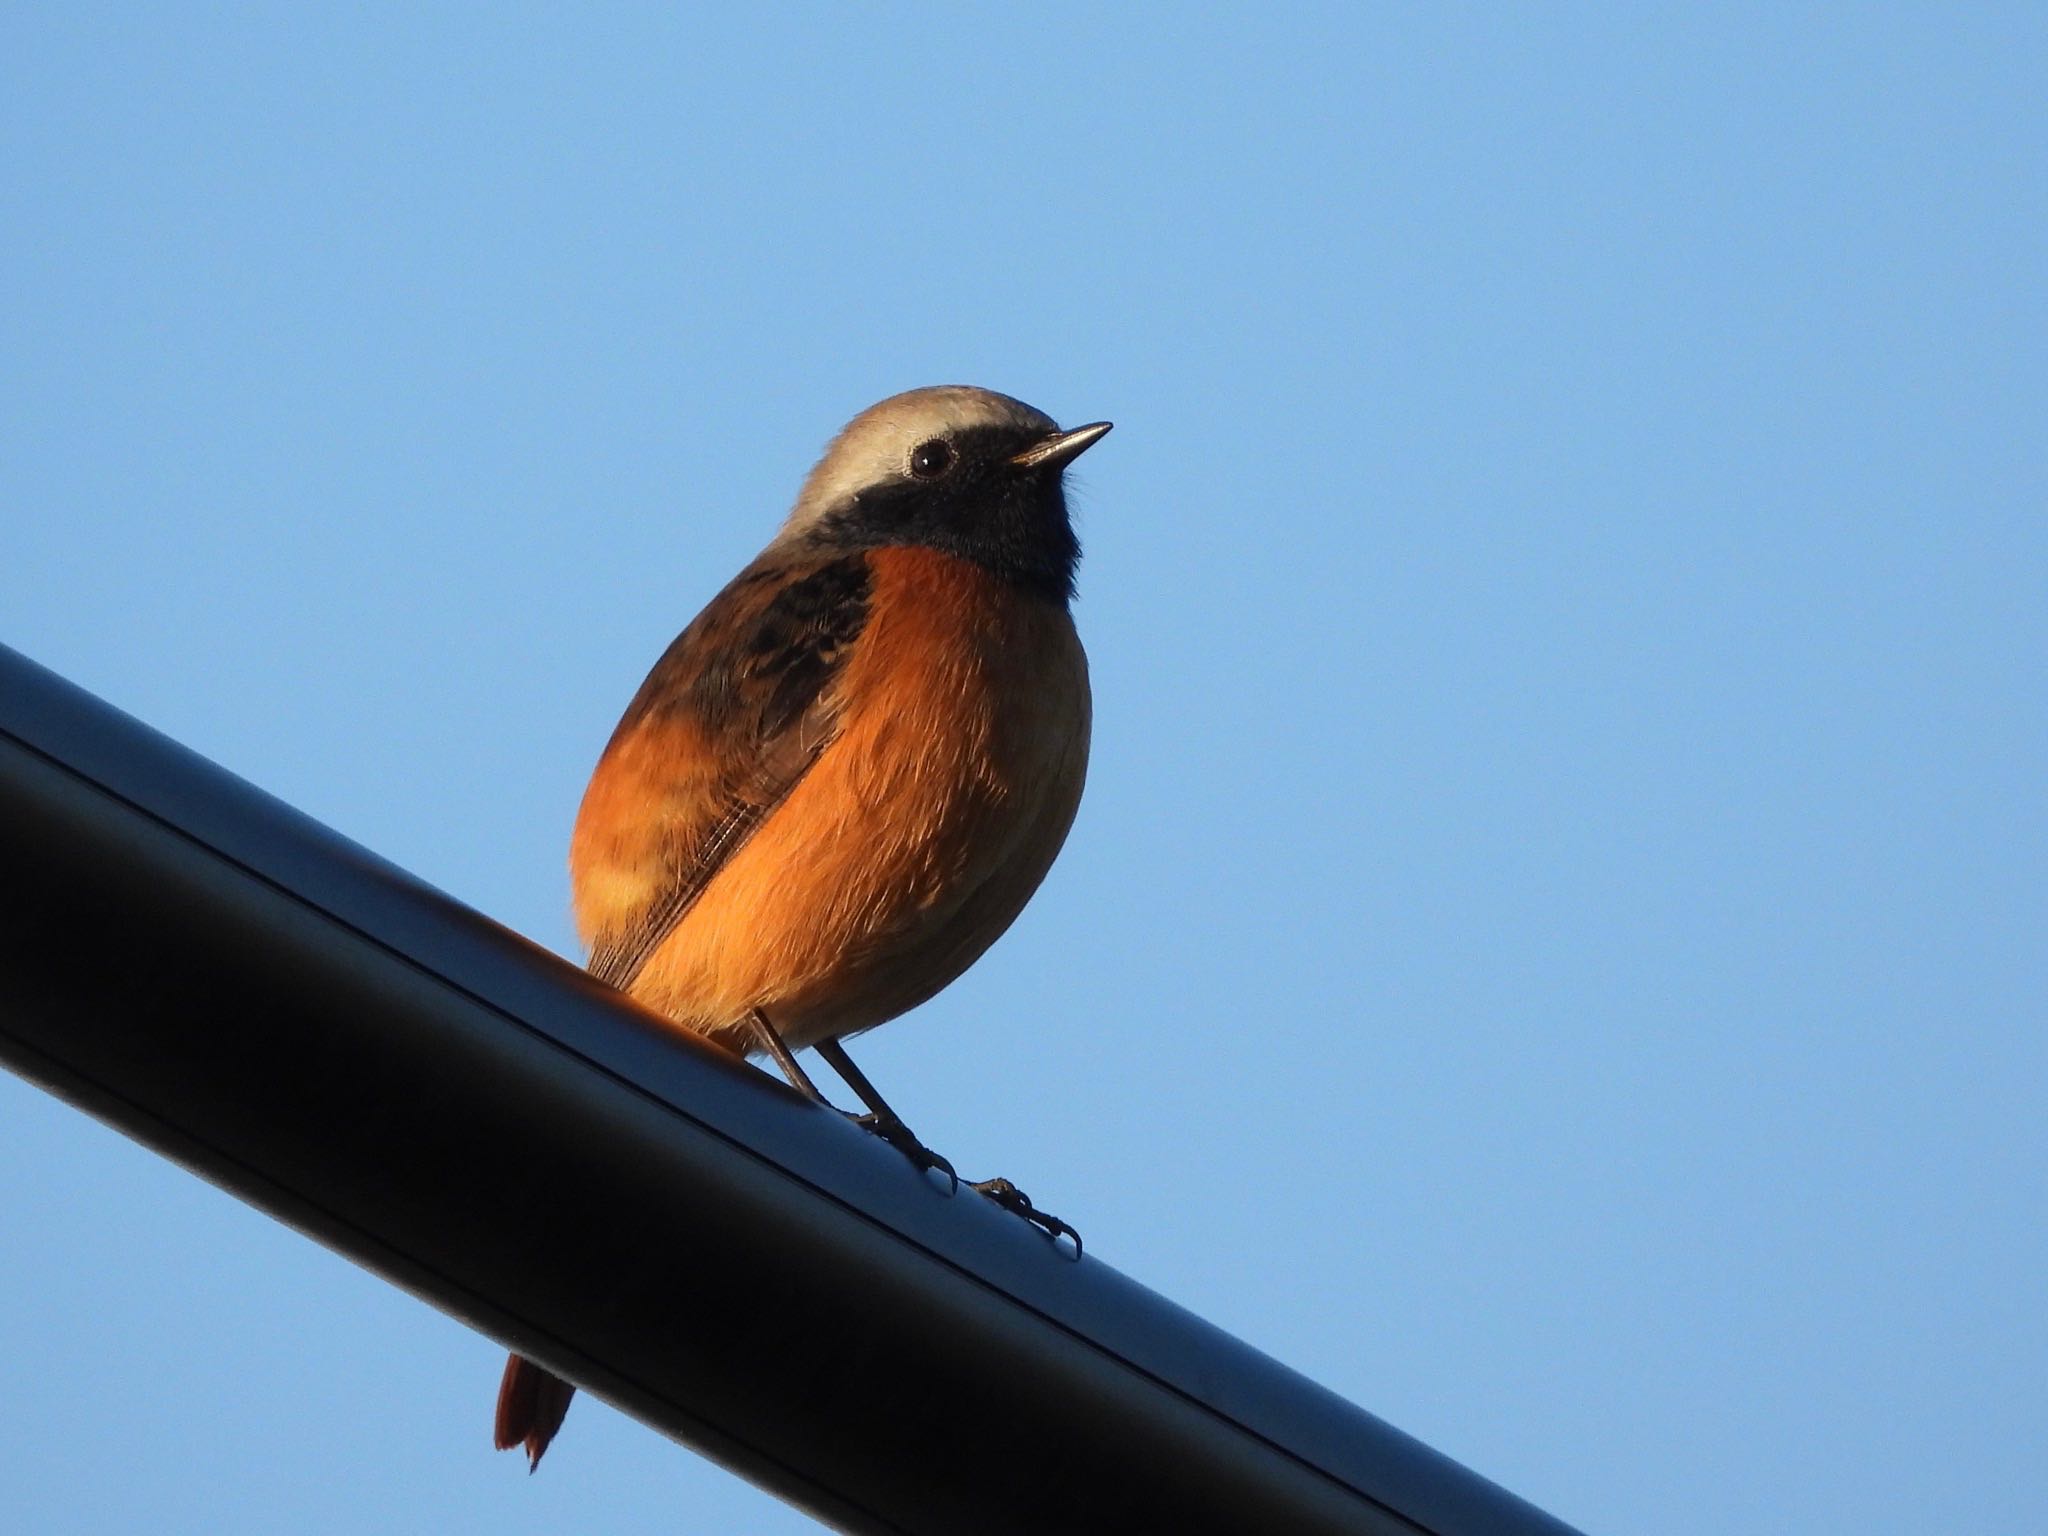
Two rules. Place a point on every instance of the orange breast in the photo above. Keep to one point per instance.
(917, 836)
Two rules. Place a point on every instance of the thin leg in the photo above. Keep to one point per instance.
(835, 1057)
(769, 1041)
(880, 1118)
(880, 1115)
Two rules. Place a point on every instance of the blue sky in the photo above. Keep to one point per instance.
(1553, 946)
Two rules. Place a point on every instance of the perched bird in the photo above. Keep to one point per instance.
(846, 777)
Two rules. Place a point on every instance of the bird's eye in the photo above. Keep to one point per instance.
(930, 460)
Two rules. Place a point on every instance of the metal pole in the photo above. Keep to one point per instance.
(465, 1114)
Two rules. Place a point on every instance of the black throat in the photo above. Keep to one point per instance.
(1011, 521)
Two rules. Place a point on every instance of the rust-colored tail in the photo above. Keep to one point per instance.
(531, 1404)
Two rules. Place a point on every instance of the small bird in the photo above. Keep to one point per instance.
(844, 779)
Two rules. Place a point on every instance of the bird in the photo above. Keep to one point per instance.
(845, 778)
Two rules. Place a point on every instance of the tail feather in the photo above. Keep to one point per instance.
(531, 1406)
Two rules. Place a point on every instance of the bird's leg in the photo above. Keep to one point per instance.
(1011, 1198)
(769, 1041)
(886, 1123)
(880, 1118)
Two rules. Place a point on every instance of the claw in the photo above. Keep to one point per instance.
(897, 1134)
(1013, 1199)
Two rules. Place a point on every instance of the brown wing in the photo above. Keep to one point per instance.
(727, 723)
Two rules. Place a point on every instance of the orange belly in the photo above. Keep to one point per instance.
(914, 840)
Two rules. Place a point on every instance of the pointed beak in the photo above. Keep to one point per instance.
(1062, 448)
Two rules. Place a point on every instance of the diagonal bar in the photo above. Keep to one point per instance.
(467, 1115)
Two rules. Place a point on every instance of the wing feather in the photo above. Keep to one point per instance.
(726, 725)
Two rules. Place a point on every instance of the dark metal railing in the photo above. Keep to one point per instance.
(464, 1113)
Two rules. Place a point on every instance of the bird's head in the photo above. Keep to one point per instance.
(966, 471)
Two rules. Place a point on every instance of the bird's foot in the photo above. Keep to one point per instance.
(897, 1134)
(1013, 1199)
